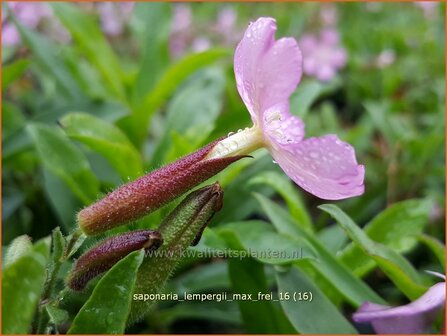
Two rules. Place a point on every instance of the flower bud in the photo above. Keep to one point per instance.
(152, 191)
(183, 227)
(107, 253)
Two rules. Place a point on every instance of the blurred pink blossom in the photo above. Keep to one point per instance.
(328, 15)
(114, 16)
(385, 58)
(180, 29)
(416, 317)
(429, 8)
(28, 14)
(323, 55)
(226, 20)
(201, 44)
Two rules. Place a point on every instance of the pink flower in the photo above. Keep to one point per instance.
(323, 56)
(226, 20)
(428, 7)
(328, 15)
(114, 16)
(200, 44)
(267, 73)
(414, 318)
(28, 14)
(180, 29)
(385, 58)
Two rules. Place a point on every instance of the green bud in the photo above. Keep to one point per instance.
(182, 228)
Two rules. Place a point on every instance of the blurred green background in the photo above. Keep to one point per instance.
(95, 95)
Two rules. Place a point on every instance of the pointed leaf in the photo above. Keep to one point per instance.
(260, 316)
(387, 228)
(65, 160)
(106, 139)
(92, 42)
(288, 191)
(13, 71)
(314, 316)
(22, 285)
(47, 57)
(394, 265)
(351, 287)
(107, 309)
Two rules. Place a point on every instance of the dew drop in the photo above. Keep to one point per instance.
(274, 162)
(230, 133)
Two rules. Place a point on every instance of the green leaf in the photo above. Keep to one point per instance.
(315, 316)
(351, 287)
(65, 160)
(288, 191)
(386, 228)
(91, 41)
(64, 203)
(106, 311)
(46, 55)
(261, 242)
(154, 45)
(106, 139)
(22, 285)
(12, 120)
(169, 82)
(223, 311)
(304, 97)
(394, 265)
(333, 238)
(57, 315)
(260, 316)
(13, 71)
(58, 243)
(192, 112)
(200, 279)
(20, 246)
(436, 246)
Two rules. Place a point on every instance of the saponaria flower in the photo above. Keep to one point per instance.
(417, 317)
(323, 55)
(267, 72)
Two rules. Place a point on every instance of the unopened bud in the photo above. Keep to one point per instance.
(107, 253)
(152, 191)
(182, 228)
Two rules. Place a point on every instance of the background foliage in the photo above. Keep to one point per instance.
(83, 116)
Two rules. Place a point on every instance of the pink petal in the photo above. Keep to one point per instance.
(325, 166)
(330, 37)
(308, 43)
(414, 318)
(325, 73)
(267, 72)
(10, 35)
(339, 58)
(281, 128)
(310, 66)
